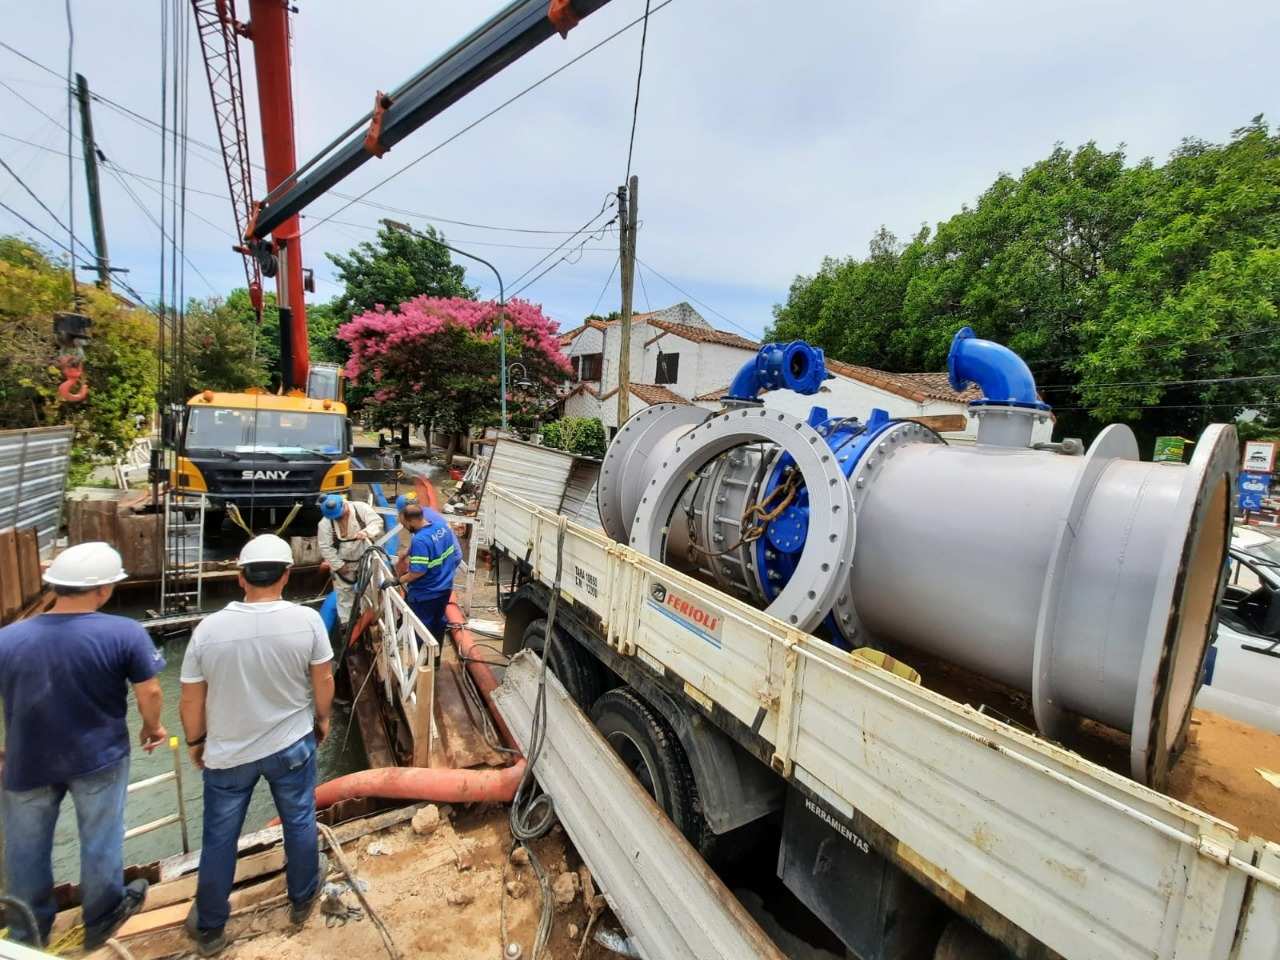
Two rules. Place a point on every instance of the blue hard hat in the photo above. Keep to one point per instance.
(404, 500)
(332, 506)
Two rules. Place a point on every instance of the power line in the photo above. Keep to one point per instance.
(1163, 344)
(500, 107)
(1159, 383)
(609, 198)
(608, 280)
(468, 240)
(645, 290)
(635, 109)
(71, 167)
(703, 303)
(1247, 404)
(22, 183)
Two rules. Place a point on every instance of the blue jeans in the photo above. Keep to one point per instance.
(291, 774)
(430, 611)
(29, 819)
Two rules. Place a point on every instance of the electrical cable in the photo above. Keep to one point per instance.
(608, 280)
(703, 303)
(532, 814)
(609, 199)
(1158, 383)
(645, 290)
(467, 241)
(71, 167)
(635, 109)
(502, 106)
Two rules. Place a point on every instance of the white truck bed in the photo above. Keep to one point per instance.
(1087, 862)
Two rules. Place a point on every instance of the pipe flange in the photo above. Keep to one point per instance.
(1116, 442)
(868, 469)
(823, 570)
(624, 470)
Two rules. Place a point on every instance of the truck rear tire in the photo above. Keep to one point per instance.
(576, 669)
(960, 941)
(651, 750)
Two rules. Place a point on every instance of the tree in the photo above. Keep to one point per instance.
(435, 361)
(119, 362)
(581, 435)
(221, 349)
(1133, 291)
(397, 267)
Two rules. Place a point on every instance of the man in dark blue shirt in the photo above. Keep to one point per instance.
(64, 680)
(434, 555)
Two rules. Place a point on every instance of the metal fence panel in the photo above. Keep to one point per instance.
(33, 480)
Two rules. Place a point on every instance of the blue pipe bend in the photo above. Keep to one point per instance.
(795, 366)
(1001, 375)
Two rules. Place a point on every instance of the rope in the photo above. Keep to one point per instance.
(353, 881)
(758, 516)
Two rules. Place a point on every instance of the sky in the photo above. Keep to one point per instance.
(768, 135)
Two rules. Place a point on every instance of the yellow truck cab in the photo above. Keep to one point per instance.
(263, 458)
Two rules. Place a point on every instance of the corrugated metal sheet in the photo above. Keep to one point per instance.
(579, 503)
(536, 473)
(33, 480)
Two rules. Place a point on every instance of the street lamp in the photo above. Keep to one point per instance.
(502, 304)
(524, 383)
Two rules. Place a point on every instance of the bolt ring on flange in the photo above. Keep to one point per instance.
(822, 571)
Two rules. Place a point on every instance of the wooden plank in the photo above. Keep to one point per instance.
(139, 538)
(944, 422)
(420, 722)
(174, 915)
(29, 565)
(10, 584)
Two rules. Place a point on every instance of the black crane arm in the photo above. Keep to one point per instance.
(491, 47)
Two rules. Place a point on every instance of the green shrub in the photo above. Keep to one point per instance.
(583, 436)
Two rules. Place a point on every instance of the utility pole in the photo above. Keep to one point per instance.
(90, 150)
(627, 202)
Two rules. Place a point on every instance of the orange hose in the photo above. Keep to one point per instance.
(481, 672)
(437, 784)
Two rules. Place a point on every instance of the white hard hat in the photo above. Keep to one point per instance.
(94, 564)
(265, 548)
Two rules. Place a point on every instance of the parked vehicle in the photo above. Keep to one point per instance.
(1242, 669)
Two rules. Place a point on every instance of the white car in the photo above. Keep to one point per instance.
(1242, 669)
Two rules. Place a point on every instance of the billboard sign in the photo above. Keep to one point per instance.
(1259, 456)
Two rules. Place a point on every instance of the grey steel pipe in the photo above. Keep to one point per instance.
(1089, 582)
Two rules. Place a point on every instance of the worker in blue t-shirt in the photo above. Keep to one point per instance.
(434, 555)
(64, 679)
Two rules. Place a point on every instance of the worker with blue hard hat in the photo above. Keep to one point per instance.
(434, 555)
(348, 529)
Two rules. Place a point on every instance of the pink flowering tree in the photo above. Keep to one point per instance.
(434, 361)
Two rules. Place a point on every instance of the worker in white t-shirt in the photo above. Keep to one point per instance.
(257, 687)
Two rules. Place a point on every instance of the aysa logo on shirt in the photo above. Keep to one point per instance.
(264, 474)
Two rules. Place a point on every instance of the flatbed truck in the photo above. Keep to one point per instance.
(912, 825)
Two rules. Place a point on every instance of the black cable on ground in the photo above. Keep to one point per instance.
(13, 906)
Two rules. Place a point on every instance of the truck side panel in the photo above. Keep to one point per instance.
(997, 822)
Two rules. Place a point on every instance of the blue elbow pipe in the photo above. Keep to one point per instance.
(1001, 375)
(780, 366)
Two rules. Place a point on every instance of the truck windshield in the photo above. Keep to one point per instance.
(264, 431)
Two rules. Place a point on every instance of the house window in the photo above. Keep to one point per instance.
(668, 368)
(589, 366)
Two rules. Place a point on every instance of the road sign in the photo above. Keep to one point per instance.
(1252, 488)
(1170, 449)
(1259, 456)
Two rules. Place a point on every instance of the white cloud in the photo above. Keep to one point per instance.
(769, 135)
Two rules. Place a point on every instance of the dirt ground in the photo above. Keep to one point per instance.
(1219, 773)
(435, 910)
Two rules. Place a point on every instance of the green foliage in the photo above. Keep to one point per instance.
(221, 348)
(581, 435)
(1111, 280)
(119, 362)
(397, 267)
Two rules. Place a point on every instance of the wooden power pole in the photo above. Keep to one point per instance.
(90, 150)
(627, 203)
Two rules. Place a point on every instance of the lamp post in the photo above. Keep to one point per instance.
(524, 381)
(502, 304)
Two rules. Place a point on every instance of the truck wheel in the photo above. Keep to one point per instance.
(576, 669)
(960, 941)
(650, 749)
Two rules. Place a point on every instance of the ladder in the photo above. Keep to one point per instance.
(182, 571)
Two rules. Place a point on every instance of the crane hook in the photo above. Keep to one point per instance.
(73, 371)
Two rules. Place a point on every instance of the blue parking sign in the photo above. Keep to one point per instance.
(1252, 488)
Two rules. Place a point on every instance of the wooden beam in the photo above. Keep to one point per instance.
(943, 422)
(10, 582)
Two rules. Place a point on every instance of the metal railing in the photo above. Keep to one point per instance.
(174, 776)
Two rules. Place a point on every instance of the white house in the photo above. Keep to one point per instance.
(675, 356)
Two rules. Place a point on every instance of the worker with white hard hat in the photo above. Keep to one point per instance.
(65, 678)
(257, 688)
(348, 530)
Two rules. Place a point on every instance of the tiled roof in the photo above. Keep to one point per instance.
(914, 386)
(650, 393)
(704, 335)
(713, 395)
